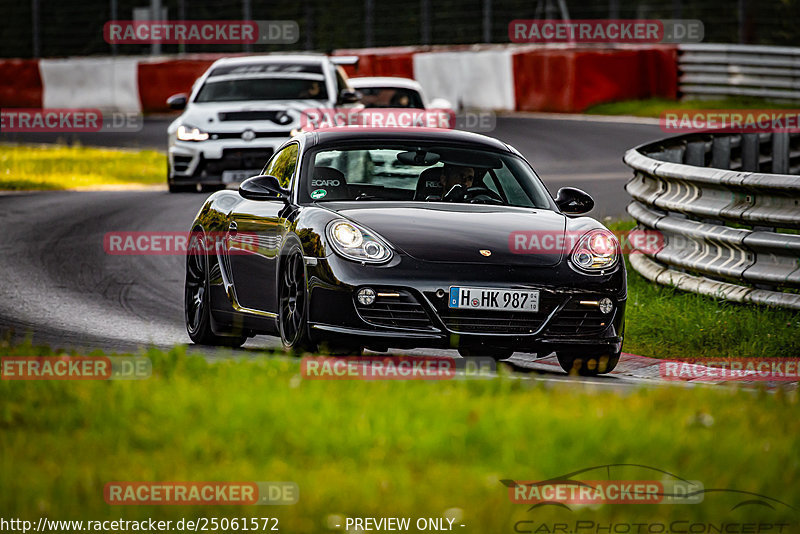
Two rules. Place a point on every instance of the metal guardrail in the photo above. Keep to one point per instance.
(719, 70)
(728, 207)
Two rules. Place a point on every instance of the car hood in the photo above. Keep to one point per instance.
(457, 233)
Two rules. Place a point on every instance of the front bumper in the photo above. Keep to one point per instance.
(207, 161)
(414, 310)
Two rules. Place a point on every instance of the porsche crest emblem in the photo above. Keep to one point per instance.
(486, 252)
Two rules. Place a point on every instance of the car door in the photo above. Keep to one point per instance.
(256, 232)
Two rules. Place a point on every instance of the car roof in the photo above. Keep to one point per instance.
(385, 81)
(271, 58)
(327, 136)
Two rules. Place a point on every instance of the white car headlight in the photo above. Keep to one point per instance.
(596, 251)
(355, 243)
(190, 133)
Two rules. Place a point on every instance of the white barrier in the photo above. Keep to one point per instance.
(104, 83)
(470, 79)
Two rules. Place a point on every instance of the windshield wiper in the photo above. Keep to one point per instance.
(364, 196)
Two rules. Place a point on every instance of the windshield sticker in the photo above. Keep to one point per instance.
(318, 193)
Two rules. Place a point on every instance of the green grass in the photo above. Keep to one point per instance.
(60, 167)
(664, 322)
(653, 107)
(382, 448)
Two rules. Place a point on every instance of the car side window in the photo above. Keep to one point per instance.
(283, 164)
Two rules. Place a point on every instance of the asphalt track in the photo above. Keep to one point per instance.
(61, 287)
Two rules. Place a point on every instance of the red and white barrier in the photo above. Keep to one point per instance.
(563, 78)
(101, 83)
(481, 79)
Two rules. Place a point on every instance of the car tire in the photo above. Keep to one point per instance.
(587, 365)
(177, 188)
(293, 303)
(197, 307)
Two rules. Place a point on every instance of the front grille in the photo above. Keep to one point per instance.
(492, 322)
(401, 311)
(258, 135)
(278, 117)
(495, 321)
(576, 319)
(239, 159)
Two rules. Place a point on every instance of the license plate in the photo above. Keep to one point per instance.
(236, 176)
(480, 298)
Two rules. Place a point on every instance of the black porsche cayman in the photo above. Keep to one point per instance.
(380, 238)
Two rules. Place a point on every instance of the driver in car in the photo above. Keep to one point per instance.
(456, 175)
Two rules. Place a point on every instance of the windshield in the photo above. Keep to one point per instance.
(390, 97)
(429, 174)
(243, 89)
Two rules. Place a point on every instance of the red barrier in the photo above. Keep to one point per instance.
(571, 80)
(392, 61)
(20, 83)
(160, 80)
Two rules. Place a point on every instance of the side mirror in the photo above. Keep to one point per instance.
(263, 187)
(349, 96)
(573, 201)
(177, 101)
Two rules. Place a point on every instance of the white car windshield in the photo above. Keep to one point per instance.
(244, 89)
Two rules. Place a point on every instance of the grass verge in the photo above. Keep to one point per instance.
(58, 167)
(412, 449)
(653, 107)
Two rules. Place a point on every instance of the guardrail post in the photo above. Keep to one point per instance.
(721, 152)
(695, 154)
(751, 151)
(780, 153)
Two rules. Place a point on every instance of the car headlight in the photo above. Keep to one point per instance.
(190, 133)
(597, 250)
(356, 243)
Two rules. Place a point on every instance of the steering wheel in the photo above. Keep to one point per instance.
(482, 195)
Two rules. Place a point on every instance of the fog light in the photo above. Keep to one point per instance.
(606, 305)
(366, 296)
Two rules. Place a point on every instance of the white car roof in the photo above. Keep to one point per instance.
(271, 58)
(385, 81)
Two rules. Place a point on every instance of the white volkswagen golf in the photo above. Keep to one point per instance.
(241, 109)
